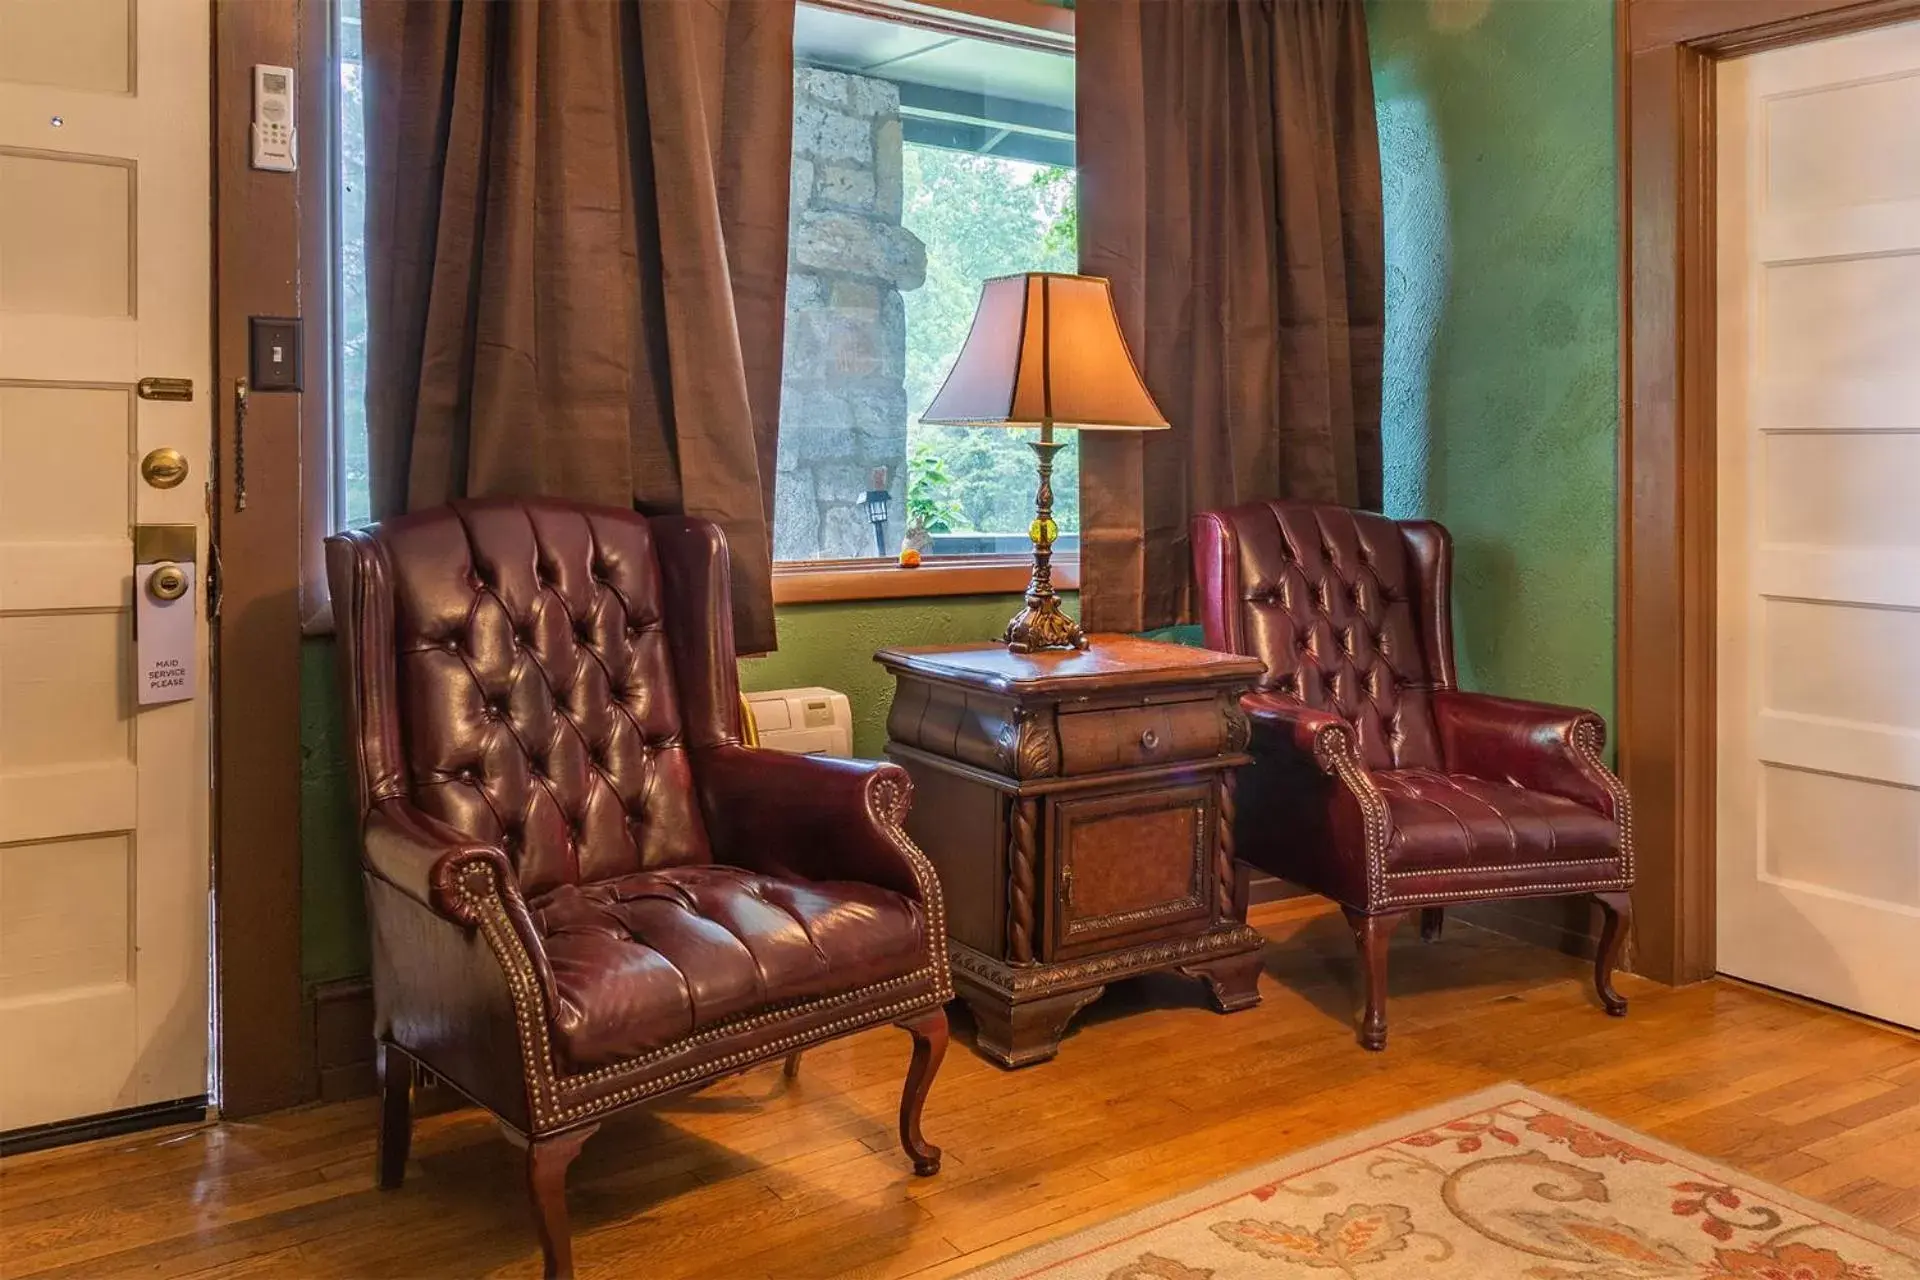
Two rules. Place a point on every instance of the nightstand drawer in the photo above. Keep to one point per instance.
(1129, 863)
(1130, 737)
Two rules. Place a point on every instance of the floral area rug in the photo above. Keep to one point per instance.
(1503, 1183)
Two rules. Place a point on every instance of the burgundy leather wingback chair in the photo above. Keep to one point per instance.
(1376, 781)
(584, 892)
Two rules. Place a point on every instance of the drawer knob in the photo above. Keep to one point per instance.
(1149, 739)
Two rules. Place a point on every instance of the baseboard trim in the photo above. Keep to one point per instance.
(113, 1124)
(1262, 887)
(1542, 922)
(342, 1013)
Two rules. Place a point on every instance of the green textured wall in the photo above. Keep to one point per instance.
(333, 925)
(1502, 401)
(833, 645)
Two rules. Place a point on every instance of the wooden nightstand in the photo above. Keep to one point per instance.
(1079, 809)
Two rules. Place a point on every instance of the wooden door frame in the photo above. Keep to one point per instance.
(1665, 56)
(263, 1028)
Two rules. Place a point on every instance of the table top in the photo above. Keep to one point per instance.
(1109, 662)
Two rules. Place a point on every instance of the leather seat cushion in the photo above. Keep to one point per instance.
(642, 960)
(1452, 822)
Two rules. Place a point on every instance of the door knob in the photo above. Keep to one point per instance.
(164, 468)
(168, 582)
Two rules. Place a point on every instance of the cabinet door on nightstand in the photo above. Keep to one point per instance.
(1129, 863)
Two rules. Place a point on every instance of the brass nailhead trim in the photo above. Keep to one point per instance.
(1334, 749)
(480, 897)
(1487, 895)
(1586, 745)
(1511, 866)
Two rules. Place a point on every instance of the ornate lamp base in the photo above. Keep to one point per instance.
(1042, 625)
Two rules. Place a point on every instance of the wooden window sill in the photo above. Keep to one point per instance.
(822, 581)
(825, 581)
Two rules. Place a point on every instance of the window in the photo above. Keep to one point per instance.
(926, 159)
(924, 162)
(352, 503)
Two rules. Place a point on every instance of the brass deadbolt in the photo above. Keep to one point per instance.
(164, 468)
(168, 582)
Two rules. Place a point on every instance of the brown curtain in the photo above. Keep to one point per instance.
(1230, 188)
(577, 253)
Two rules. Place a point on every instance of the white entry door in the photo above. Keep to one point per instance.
(105, 279)
(1819, 520)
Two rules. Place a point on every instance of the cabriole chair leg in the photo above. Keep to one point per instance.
(1617, 923)
(1432, 921)
(547, 1162)
(396, 1074)
(929, 1034)
(1371, 934)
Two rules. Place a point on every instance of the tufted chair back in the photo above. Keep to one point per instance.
(1350, 611)
(516, 679)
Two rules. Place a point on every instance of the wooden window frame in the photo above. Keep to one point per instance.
(820, 581)
(1665, 55)
(319, 300)
(1027, 23)
(1030, 25)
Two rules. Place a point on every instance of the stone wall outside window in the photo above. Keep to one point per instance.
(843, 399)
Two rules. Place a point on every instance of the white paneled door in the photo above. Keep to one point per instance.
(1819, 520)
(105, 280)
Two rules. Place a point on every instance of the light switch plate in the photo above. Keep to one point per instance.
(274, 355)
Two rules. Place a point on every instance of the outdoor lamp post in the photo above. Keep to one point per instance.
(878, 500)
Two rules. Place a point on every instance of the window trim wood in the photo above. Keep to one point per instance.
(319, 301)
(823, 581)
(1028, 24)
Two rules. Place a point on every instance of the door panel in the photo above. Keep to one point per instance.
(105, 278)
(1127, 863)
(1819, 540)
(88, 46)
(64, 235)
(1848, 835)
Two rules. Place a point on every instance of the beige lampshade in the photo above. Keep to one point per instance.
(1046, 348)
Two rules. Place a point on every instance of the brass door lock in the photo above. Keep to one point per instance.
(164, 468)
(168, 582)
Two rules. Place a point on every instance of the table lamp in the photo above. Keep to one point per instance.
(1045, 351)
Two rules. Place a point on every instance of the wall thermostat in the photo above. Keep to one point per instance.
(276, 145)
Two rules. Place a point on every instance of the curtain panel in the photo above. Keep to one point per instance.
(577, 258)
(1230, 189)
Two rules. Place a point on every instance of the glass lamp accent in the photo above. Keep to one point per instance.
(1045, 351)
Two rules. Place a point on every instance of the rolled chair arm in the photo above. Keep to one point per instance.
(1535, 745)
(1354, 826)
(814, 817)
(435, 865)
(1281, 724)
(486, 960)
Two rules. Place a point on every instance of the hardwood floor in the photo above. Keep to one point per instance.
(1152, 1094)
